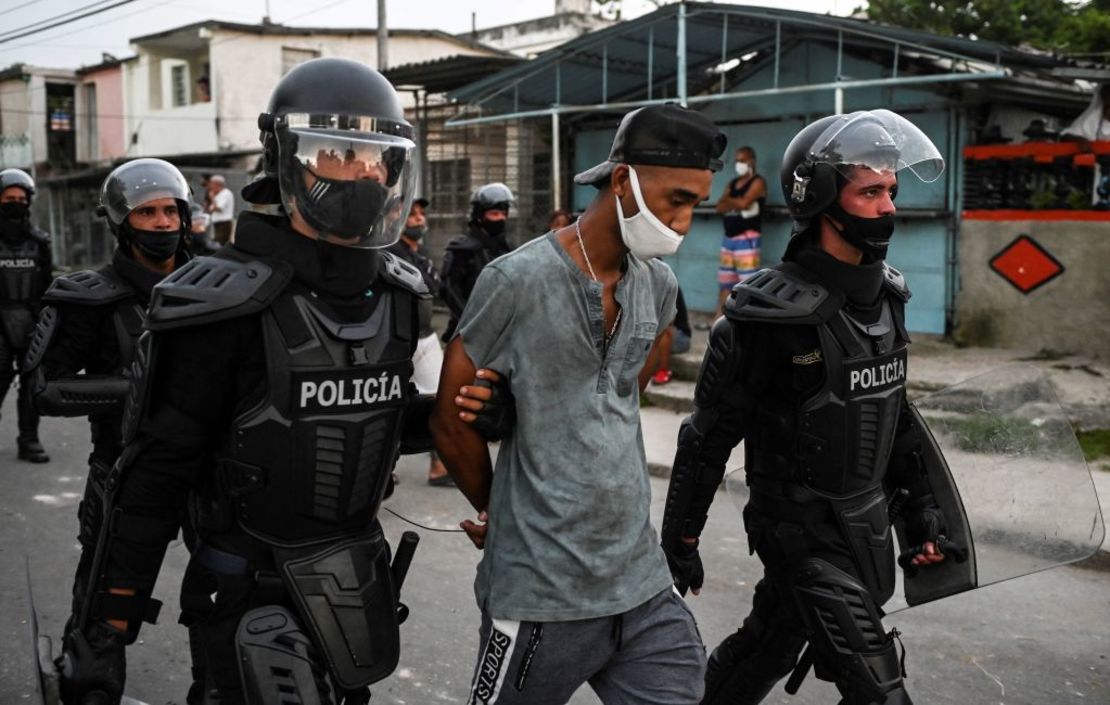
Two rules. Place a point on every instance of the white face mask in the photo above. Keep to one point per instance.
(743, 168)
(643, 234)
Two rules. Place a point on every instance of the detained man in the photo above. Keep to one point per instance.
(572, 587)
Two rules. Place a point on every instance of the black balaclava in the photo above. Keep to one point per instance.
(15, 216)
(340, 205)
(141, 278)
(416, 233)
(871, 236)
(860, 283)
(324, 267)
(155, 245)
(496, 228)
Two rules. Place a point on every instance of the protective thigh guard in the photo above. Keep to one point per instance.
(846, 633)
(275, 660)
(346, 595)
(866, 526)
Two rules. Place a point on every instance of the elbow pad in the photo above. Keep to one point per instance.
(703, 444)
(81, 396)
(693, 484)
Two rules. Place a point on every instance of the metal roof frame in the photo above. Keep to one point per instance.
(526, 91)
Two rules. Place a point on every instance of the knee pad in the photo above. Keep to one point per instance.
(850, 645)
(276, 660)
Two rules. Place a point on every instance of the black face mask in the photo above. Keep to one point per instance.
(496, 228)
(15, 211)
(342, 208)
(416, 233)
(155, 245)
(871, 236)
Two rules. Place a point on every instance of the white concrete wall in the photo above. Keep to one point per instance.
(15, 104)
(151, 131)
(23, 103)
(245, 69)
(1068, 314)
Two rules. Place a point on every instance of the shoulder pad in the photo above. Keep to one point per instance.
(776, 295)
(896, 283)
(209, 289)
(87, 288)
(403, 275)
(718, 367)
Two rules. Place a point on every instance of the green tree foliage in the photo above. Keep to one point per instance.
(1056, 25)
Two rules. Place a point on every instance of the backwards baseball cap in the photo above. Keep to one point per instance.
(661, 135)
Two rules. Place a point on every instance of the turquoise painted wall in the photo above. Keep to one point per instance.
(919, 247)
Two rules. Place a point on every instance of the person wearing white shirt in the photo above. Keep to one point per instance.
(222, 208)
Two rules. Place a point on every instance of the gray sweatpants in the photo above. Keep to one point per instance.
(650, 655)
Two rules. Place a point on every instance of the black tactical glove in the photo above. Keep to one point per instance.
(496, 417)
(93, 666)
(924, 522)
(685, 563)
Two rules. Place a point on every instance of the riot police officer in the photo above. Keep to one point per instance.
(303, 330)
(808, 366)
(81, 354)
(483, 242)
(25, 266)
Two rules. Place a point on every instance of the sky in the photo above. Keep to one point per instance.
(82, 42)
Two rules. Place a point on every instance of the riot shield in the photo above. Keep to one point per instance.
(1007, 470)
(1001, 447)
(46, 681)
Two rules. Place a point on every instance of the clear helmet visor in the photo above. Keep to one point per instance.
(881, 141)
(352, 186)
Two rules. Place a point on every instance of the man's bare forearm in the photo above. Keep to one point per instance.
(462, 449)
(466, 456)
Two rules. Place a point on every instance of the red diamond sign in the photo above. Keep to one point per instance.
(1026, 265)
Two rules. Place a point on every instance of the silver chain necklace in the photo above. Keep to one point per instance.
(620, 311)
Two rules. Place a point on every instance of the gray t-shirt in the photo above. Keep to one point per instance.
(569, 532)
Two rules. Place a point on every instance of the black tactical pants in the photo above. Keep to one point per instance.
(11, 361)
(811, 589)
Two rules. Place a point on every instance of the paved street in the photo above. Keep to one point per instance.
(1038, 640)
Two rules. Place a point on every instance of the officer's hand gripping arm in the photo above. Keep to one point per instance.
(488, 405)
(705, 441)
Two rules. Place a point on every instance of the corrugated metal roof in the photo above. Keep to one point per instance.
(448, 72)
(640, 55)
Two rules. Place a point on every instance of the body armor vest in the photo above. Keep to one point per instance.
(820, 459)
(22, 282)
(838, 439)
(20, 278)
(311, 462)
(846, 430)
